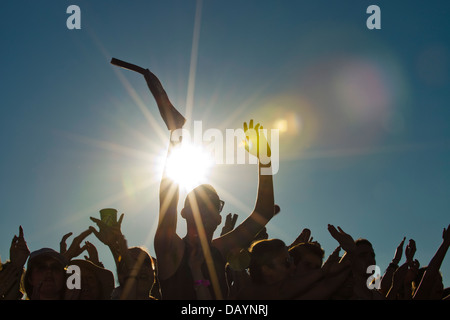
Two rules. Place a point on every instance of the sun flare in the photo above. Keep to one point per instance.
(188, 165)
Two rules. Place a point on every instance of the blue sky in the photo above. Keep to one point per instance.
(367, 140)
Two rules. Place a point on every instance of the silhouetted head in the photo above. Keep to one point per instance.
(97, 283)
(45, 274)
(204, 202)
(307, 255)
(365, 252)
(270, 261)
(143, 270)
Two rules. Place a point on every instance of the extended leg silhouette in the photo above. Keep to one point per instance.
(172, 118)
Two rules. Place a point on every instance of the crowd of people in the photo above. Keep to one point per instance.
(267, 269)
(243, 263)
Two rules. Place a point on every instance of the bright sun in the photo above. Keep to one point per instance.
(188, 165)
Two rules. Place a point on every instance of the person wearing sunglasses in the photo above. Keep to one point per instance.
(181, 275)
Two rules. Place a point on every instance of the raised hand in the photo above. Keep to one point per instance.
(410, 251)
(304, 236)
(446, 234)
(92, 254)
(108, 234)
(63, 244)
(112, 236)
(345, 240)
(19, 252)
(398, 252)
(333, 257)
(75, 248)
(256, 143)
(230, 222)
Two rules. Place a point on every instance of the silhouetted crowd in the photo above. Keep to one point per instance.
(243, 263)
(266, 269)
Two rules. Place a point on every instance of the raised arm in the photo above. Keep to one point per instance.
(230, 222)
(386, 281)
(304, 236)
(110, 235)
(166, 242)
(359, 275)
(424, 290)
(75, 248)
(264, 208)
(11, 272)
(172, 118)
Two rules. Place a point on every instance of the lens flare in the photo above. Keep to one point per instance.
(189, 165)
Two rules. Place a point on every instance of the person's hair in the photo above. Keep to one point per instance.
(261, 253)
(203, 196)
(298, 251)
(142, 258)
(32, 261)
(362, 241)
(141, 254)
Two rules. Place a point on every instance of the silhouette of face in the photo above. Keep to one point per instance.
(90, 285)
(145, 276)
(309, 262)
(47, 277)
(146, 279)
(280, 267)
(366, 254)
(205, 202)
